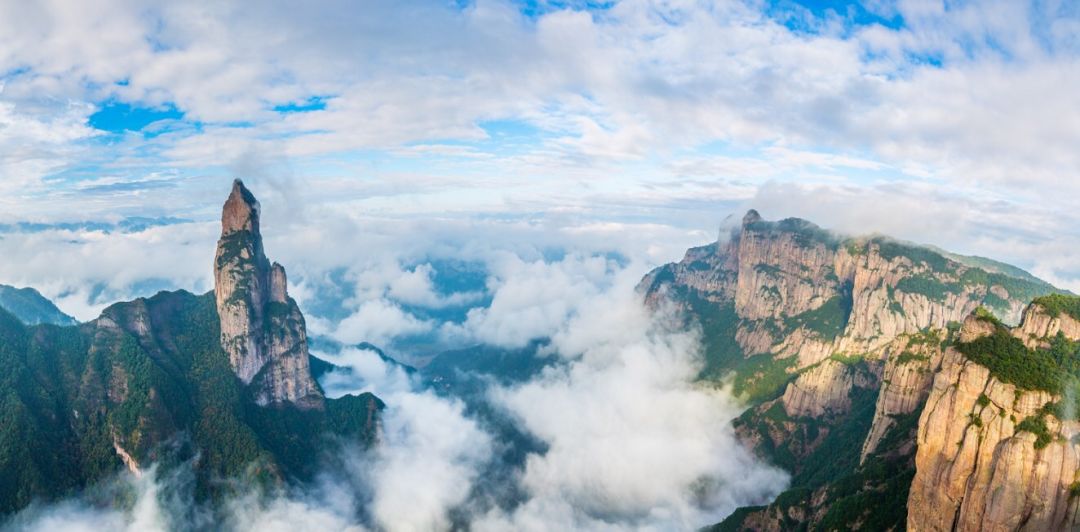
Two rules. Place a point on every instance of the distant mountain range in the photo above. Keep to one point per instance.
(902, 386)
(31, 308)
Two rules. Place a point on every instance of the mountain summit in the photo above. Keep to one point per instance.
(220, 380)
(878, 371)
(262, 329)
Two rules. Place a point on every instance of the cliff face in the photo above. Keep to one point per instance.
(993, 455)
(171, 379)
(911, 363)
(1038, 324)
(836, 343)
(262, 329)
(799, 291)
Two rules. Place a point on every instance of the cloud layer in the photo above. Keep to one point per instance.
(672, 113)
(629, 440)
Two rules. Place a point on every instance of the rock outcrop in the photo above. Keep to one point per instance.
(801, 291)
(802, 295)
(1037, 324)
(837, 343)
(978, 465)
(911, 362)
(262, 329)
(823, 390)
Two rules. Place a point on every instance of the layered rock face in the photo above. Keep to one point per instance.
(262, 329)
(1038, 324)
(979, 465)
(800, 291)
(859, 327)
(911, 363)
(823, 390)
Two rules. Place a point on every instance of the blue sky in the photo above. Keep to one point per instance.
(953, 123)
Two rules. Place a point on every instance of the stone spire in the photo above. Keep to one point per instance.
(262, 329)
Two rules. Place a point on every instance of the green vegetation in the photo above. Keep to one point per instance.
(908, 357)
(846, 359)
(974, 419)
(1055, 369)
(854, 247)
(927, 285)
(166, 396)
(30, 307)
(873, 496)
(995, 267)
(838, 454)
(1009, 360)
(761, 377)
(734, 522)
(805, 233)
(768, 269)
(1056, 304)
(890, 249)
(963, 272)
(895, 306)
(828, 320)
(1036, 425)
(926, 337)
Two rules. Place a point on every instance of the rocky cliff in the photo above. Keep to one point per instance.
(219, 381)
(262, 329)
(996, 452)
(800, 291)
(835, 342)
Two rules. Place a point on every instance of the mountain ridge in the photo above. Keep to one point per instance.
(32, 308)
(835, 343)
(152, 381)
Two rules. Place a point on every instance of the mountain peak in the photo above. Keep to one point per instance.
(252, 298)
(241, 211)
(750, 217)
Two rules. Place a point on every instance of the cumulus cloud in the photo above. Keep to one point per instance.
(956, 96)
(86, 270)
(415, 287)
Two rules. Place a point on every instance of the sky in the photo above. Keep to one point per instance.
(445, 173)
(634, 126)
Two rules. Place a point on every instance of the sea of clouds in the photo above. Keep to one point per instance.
(629, 439)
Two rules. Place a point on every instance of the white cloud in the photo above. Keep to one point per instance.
(429, 453)
(633, 441)
(640, 80)
(533, 299)
(378, 321)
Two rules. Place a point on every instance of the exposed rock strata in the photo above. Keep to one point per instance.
(911, 363)
(860, 325)
(975, 470)
(1038, 325)
(774, 273)
(823, 390)
(262, 329)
